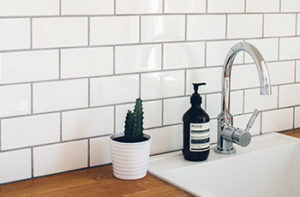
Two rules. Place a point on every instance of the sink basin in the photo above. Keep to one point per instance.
(268, 167)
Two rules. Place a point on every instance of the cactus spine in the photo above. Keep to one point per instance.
(134, 123)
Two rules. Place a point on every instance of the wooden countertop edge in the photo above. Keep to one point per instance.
(97, 181)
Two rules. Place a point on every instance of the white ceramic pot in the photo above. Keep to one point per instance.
(129, 160)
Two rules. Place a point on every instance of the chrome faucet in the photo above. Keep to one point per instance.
(228, 134)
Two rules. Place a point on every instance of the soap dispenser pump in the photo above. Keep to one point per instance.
(196, 135)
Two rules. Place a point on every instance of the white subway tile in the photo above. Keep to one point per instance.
(28, 7)
(15, 33)
(60, 95)
(253, 100)
(290, 5)
(213, 103)
(138, 58)
(175, 108)
(114, 30)
(297, 71)
(162, 84)
(281, 72)
(87, 123)
(138, 6)
(289, 48)
(84, 7)
(30, 131)
(279, 24)
(243, 26)
(116, 89)
(289, 95)
(166, 139)
(185, 6)
(162, 28)
(277, 120)
(267, 47)
(206, 27)
(15, 100)
(262, 6)
(59, 32)
(216, 52)
(228, 6)
(28, 66)
(244, 76)
(213, 131)
(184, 55)
(297, 117)
(99, 151)
(242, 121)
(86, 62)
(15, 165)
(152, 114)
(211, 76)
(60, 157)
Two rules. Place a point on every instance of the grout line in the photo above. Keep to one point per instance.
(145, 43)
(31, 95)
(89, 30)
(31, 37)
(263, 25)
(226, 26)
(140, 85)
(0, 135)
(296, 21)
(278, 52)
(114, 61)
(89, 153)
(245, 6)
(162, 111)
(162, 57)
(279, 6)
(59, 63)
(115, 7)
(89, 92)
(243, 110)
(140, 29)
(294, 117)
(60, 127)
(260, 132)
(206, 7)
(278, 89)
(32, 163)
(185, 83)
(115, 119)
(205, 54)
(163, 6)
(185, 27)
(60, 7)
(295, 81)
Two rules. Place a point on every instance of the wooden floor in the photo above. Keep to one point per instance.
(98, 182)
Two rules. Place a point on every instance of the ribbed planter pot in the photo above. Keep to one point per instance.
(130, 160)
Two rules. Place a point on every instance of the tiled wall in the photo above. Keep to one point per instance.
(70, 69)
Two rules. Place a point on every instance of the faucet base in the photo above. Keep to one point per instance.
(225, 151)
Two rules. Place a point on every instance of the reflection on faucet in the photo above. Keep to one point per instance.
(227, 134)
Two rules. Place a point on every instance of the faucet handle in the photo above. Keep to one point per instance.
(252, 120)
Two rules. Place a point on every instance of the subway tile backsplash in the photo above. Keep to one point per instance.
(70, 70)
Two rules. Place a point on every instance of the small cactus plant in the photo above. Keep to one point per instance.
(134, 123)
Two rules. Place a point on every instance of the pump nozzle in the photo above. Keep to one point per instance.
(196, 86)
(196, 98)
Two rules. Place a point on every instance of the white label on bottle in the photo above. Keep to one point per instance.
(199, 137)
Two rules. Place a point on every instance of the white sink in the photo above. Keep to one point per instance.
(268, 167)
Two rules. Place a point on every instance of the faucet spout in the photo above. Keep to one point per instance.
(228, 134)
(264, 79)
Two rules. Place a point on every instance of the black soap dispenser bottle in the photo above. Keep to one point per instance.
(196, 135)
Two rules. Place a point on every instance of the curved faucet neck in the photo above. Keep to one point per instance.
(265, 87)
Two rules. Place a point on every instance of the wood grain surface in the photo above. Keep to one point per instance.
(98, 182)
